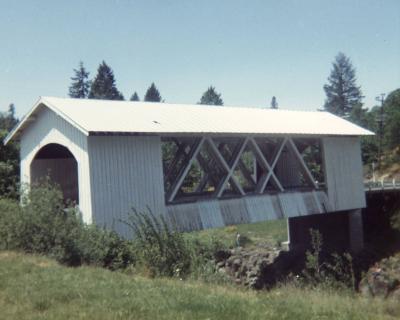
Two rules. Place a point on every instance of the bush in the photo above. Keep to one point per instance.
(106, 248)
(162, 250)
(45, 225)
(335, 271)
(10, 220)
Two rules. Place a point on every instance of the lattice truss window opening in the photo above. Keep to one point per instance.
(221, 167)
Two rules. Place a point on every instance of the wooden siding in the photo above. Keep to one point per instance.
(51, 128)
(126, 173)
(343, 171)
(217, 213)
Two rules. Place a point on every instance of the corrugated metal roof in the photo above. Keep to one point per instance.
(104, 116)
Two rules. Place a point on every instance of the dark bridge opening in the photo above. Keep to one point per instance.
(59, 164)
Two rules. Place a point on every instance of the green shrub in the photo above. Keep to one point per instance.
(106, 248)
(162, 250)
(333, 271)
(10, 220)
(44, 224)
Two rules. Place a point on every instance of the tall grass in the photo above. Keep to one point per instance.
(34, 287)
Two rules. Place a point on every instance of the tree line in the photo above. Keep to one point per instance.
(103, 86)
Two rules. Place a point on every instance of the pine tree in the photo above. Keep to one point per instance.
(152, 94)
(103, 85)
(135, 97)
(211, 97)
(9, 156)
(80, 83)
(274, 103)
(342, 93)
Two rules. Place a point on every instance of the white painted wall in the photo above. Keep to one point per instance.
(126, 172)
(343, 173)
(51, 128)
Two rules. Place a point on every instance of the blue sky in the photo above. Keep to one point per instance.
(249, 50)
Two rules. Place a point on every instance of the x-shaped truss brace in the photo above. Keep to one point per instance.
(230, 166)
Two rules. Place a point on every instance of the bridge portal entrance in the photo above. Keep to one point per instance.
(58, 163)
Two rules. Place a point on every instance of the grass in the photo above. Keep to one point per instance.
(272, 232)
(33, 287)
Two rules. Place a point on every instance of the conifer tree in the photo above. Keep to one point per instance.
(103, 85)
(152, 94)
(274, 103)
(211, 97)
(342, 93)
(135, 97)
(9, 156)
(80, 83)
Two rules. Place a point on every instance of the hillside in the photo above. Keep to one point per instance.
(33, 287)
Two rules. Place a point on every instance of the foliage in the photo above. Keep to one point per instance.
(161, 249)
(35, 287)
(135, 97)
(10, 221)
(152, 94)
(211, 97)
(342, 93)
(274, 103)
(335, 271)
(9, 156)
(392, 119)
(80, 85)
(44, 225)
(103, 85)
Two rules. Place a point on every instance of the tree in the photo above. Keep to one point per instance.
(211, 97)
(342, 93)
(103, 85)
(80, 83)
(135, 97)
(9, 156)
(274, 103)
(152, 94)
(391, 109)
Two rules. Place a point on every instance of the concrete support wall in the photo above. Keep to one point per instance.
(341, 231)
(356, 231)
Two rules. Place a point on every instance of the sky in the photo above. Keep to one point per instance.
(249, 50)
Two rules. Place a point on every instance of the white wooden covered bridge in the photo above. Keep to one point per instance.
(202, 166)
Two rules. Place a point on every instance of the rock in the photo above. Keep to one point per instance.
(222, 255)
(383, 279)
(255, 267)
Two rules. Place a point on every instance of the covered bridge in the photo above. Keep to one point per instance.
(201, 166)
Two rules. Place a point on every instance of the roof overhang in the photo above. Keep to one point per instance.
(92, 117)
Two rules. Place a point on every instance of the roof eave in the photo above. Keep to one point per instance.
(29, 117)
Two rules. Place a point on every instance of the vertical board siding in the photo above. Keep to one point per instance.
(217, 213)
(234, 211)
(126, 173)
(261, 208)
(343, 170)
(185, 217)
(51, 128)
(210, 215)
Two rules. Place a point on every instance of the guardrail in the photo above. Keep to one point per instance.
(382, 185)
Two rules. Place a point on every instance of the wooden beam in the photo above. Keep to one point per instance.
(307, 172)
(262, 183)
(184, 171)
(229, 169)
(178, 154)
